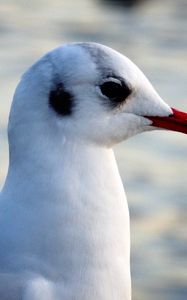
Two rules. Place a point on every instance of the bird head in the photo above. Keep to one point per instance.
(89, 92)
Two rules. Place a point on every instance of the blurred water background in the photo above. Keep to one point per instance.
(153, 165)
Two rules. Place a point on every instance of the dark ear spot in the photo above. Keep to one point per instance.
(61, 100)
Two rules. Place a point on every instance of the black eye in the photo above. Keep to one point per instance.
(117, 92)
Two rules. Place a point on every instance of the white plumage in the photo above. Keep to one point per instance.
(64, 220)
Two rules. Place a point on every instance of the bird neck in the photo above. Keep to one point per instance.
(74, 194)
(71, 165)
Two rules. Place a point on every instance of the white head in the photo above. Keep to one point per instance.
(88, 92)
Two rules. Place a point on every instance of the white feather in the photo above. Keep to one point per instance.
(64, 220)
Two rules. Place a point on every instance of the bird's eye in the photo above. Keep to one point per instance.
(117, 92)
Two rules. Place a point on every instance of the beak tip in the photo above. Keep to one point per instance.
(177, 121)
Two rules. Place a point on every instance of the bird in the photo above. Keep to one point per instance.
(64, 218)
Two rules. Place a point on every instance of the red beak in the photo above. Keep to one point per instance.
(177, 121)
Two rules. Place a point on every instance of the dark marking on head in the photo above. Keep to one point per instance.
(61, 100)
(113, 86)
(99, 55)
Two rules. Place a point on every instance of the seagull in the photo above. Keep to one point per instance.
(64, 218)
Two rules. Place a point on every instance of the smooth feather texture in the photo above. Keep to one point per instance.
(64, 220)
